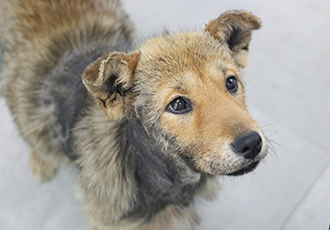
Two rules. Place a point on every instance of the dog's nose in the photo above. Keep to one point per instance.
(248, 145)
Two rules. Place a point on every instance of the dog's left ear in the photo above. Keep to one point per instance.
(234, 28)
(109, 79)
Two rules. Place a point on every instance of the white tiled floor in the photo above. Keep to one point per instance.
(288, 87)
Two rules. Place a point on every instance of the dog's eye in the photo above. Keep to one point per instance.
(179, 105)
(231, 84)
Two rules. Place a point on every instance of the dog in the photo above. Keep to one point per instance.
(150, 126)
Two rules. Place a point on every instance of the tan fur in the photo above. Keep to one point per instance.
(129, 90)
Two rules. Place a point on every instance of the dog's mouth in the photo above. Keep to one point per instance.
(245, 170)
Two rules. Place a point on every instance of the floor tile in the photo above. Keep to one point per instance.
(314, 210)
(289, 71)
(27, 204)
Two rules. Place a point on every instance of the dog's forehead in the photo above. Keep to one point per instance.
(184, 54)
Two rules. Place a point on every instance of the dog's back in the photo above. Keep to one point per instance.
(46, 45)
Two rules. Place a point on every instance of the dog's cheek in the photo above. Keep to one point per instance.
(179, 127)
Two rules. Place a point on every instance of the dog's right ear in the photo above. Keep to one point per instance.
(109, 78)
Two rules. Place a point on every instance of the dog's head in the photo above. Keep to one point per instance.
(188, 93)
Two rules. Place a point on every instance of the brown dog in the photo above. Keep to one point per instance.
(149, 128)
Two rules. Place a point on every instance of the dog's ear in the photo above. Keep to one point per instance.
(109, 79)
(234, 28)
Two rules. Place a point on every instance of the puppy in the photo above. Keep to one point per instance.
(149, 128)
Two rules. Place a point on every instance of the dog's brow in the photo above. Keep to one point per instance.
(178, 86)
(179, 89)
(223, 68)
(229, 71)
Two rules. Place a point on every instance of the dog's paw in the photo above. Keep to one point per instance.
(41, 169)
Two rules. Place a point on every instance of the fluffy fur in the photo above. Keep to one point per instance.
(150, 129)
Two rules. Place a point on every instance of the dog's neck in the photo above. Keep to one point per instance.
(160, 180)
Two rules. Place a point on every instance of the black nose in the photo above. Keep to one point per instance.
(248, 145)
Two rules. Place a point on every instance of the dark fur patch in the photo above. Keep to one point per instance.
(157, 178)
(236, 38)
(63, 92)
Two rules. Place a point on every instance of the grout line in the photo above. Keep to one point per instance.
(303, 198)
(309, 139)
